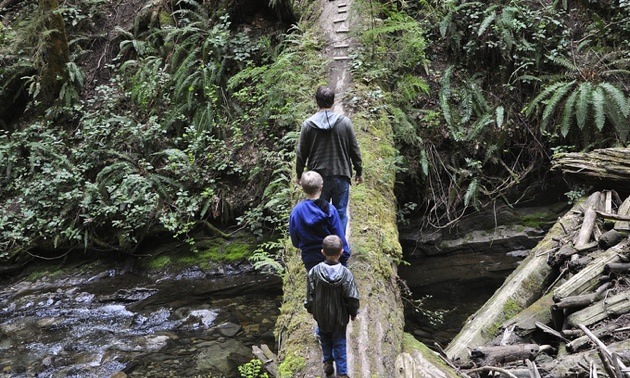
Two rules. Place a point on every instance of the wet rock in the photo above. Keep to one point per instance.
(224, 358)
(229, 329)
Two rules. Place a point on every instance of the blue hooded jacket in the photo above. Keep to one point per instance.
(310, 222)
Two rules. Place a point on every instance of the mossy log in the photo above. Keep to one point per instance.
(538, 312)
(376, 338)
(522, 288)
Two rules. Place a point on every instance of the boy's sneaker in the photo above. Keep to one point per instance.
(329, 369)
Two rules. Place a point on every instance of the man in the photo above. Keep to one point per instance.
(329, 146)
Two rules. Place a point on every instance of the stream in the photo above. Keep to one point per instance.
(107, 322)
(125, 325)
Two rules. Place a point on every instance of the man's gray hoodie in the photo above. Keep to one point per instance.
(328, 146)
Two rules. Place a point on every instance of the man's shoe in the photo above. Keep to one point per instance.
(343, 376)
(329, 369)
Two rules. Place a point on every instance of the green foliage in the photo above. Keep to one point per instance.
(162, 147)
(583, 96)
(459, 128)
(266, 257)
(575, 194)
(505, 38)
(252, 369)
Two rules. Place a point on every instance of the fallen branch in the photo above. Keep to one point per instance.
(491, 368)
(605, 354)
(268, 359)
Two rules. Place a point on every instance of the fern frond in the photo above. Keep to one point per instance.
(529, 108)
(487, 21)
(477, 127)
(581, 105)
(424, 162)
(563, 62)
(615, 95)
(567, 114)
(445, 94)
(618, 120)
(112, 175)
(499, 116)
(552, 104)
(445, 24)
(471, 192)
(598, 107)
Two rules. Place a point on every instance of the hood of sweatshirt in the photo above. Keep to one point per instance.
(313, 212)
(331, 274)
(323, 120)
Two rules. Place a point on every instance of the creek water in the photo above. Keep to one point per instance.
(451, 288)
(192, 324)
(123, 325)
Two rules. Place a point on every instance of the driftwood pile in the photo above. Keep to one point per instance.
(581, 326)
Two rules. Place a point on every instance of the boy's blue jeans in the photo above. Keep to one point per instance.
(337, 191)
(334, 349)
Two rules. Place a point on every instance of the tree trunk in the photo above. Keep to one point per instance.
(55, 51)
(376, 338)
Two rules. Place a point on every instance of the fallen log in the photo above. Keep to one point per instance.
(579, 264)
(608, 165)
(502, 354)
(524, 286)
(493, 368)
(588, 278)
(577, 343)
(616, 268)
(623, 216)
(607, 356)
(611, 237)
(613, 305)
(579, 301)
(268, 359)
(577, 364)
(526, 321)
(563, 253)
(586, 231)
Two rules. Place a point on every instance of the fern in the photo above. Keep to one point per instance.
(583, 100)
(598, 107)
(617, 97)
(567, 114)
(488, 20)
(551, 105)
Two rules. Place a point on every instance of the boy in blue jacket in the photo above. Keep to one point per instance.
(333, 299)
(312, 220)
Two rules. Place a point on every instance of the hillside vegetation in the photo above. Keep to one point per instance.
(124, 122)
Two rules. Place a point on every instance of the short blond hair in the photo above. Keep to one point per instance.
(312, 182)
